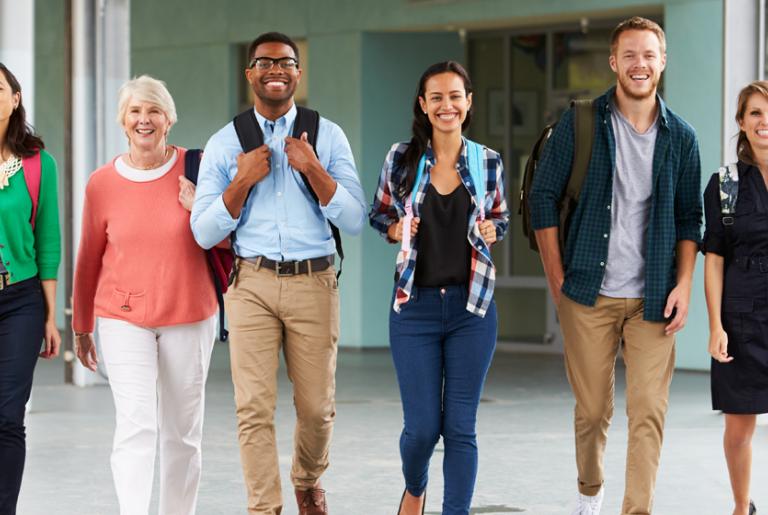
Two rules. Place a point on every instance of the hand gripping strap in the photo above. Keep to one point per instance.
(307, 120)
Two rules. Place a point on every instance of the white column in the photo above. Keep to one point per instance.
(17, 47)
(113, 62)
(84, 148)
(741, 59)
(101, 63)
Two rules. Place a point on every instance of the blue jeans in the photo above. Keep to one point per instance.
(442, 353)
(22, 326)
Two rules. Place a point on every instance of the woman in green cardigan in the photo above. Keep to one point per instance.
(30, 251)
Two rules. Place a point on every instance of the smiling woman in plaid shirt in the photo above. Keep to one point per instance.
(442, 325)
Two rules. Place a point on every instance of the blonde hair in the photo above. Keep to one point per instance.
(743, 147)
(638, 23)
(145, 89)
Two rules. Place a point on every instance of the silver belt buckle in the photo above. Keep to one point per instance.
(286, 268)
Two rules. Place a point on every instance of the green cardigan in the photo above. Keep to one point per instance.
(26, 253)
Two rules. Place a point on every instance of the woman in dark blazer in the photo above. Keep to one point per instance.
(736, 284)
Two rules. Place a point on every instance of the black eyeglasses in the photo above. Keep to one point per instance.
(266, 63)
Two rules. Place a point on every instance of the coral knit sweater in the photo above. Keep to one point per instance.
(138, 260)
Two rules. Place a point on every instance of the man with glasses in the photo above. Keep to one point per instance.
(285, 292)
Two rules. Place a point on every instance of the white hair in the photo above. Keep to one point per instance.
(145, 89)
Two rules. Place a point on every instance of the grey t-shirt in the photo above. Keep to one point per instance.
(631, 205)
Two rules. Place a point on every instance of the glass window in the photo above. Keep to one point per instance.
(764, 33)
(523, 81)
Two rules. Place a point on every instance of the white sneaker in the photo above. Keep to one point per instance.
(589, 504)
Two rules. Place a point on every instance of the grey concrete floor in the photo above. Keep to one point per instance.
(525, 439)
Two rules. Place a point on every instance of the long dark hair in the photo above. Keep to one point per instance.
(422, 128)
(743, 147)
(20, 139)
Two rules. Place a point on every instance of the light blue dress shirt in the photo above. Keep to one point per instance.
(280, 220)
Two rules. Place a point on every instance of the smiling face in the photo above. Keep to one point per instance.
(146, 125)
(8, 101)
(753, 121)
(445, 102)
(276, 85)
(638, 61)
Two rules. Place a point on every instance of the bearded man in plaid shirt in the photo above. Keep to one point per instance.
(624, 278)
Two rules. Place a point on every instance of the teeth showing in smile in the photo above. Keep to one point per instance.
(447, 116)
(145, 131)
(639, 77)
(276, 84)
(763, 133)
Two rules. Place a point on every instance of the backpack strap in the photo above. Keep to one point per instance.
(405, 241)
(219, 289)
(308, 120)
(584, 128)
(728, 178)
(476, 157)
(248, 130)
(251, 137)
(32, 176)
(192, 164)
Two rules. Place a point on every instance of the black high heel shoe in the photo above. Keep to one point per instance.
(400, 506)
(752, 508)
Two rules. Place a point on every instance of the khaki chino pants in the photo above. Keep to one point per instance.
(300, 315)
(592, 336)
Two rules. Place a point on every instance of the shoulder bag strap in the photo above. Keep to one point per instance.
(32, 176)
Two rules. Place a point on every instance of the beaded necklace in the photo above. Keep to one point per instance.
(8, 169)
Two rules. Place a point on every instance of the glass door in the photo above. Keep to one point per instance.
(523, 81)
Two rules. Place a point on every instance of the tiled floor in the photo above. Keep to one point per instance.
(525, 439)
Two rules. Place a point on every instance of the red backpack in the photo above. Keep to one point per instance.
(220, 260)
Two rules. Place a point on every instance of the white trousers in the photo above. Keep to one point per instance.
(157, 376)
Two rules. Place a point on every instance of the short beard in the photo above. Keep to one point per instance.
(634, 96)
(270, 101)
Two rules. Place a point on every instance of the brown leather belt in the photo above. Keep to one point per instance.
(5, 280)
(289, 268)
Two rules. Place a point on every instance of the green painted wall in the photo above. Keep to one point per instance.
(694, 90)
(391, 68)
(334, 76)
(49, 97)
(362, 73)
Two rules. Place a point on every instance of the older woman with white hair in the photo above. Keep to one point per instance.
(143, 281)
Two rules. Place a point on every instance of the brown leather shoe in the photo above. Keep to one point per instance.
(311, 502)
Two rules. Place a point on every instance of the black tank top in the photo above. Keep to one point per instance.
(444, 253)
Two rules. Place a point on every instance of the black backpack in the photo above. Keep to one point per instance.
(583, 126)
(250, 135)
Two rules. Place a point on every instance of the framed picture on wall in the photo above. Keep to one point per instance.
(496, 112)
(525, 113)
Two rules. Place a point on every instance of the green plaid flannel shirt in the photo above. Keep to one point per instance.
(675, 203)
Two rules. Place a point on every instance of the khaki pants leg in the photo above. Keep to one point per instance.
(649, 356)
(310, 312)
(255, 335)
(591, 340)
